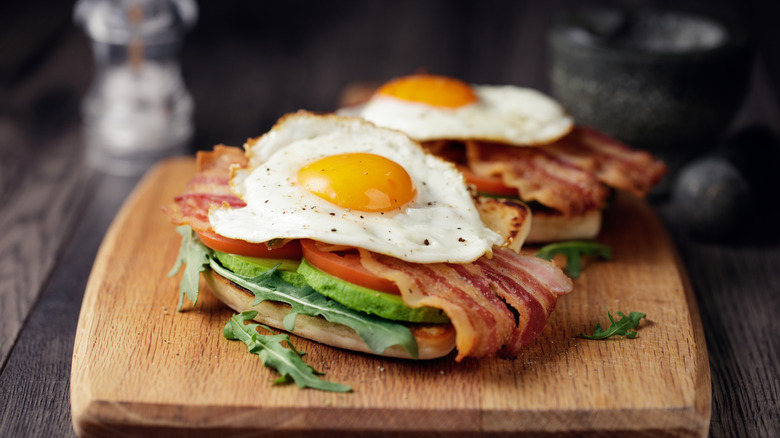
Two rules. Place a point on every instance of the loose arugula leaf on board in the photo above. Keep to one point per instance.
(621, 327)
(195, 256)
(377, 333)
(574, 251)
(273, 354)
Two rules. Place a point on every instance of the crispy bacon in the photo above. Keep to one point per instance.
(497, 305)
(568, 175)
(210, 185)
(612, 162)
(539, 176)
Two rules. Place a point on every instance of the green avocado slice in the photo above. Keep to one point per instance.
(384, 305)
(254, 266)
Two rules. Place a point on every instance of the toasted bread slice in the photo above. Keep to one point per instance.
(433, 340)
(508, 217)
(549, 226)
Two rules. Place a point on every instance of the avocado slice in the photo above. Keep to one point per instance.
(254, 266)
(384, 305)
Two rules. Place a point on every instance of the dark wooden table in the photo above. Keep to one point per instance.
(246, 64)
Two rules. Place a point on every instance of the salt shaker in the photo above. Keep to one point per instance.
(137, 109)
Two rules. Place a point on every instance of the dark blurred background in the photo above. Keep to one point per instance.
(268, 58)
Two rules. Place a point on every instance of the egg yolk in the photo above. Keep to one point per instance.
(359, 181)
(430, 89)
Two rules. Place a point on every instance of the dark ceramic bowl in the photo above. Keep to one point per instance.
(665, 81)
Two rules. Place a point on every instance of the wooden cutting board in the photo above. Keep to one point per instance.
(142, 369)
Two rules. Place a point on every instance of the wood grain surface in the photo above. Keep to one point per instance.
(41, 198)
(140, 368)
(37, 231)
(44, 182)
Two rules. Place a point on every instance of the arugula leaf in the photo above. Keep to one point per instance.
(621, 327)
(377, 333)
(269, 348)
(195, 256)
(286, 361)
(574, 251)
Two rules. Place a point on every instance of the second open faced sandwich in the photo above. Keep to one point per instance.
(516, 143)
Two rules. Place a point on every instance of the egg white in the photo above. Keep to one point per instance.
(440, 225)
(507, 114)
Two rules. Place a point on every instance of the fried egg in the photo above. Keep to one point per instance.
(429, 107)
(345, 181)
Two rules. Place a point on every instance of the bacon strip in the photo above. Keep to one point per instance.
(539, 176)
(614, 163)
(496, 305)
(210, 185)
(569, 174)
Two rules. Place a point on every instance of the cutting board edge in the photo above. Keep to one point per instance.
(101, 417)
(702, 403)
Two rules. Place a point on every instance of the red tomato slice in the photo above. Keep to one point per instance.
(345, 266)
(492, 185)
(292, 250)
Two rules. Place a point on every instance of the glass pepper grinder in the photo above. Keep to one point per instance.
(137, 109)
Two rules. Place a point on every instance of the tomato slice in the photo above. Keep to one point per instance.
(292, 250)
(491, 185)
(345, 266)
